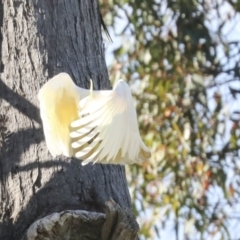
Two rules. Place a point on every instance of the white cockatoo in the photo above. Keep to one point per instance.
(95, 126)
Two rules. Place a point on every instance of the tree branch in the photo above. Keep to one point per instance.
(116, 224)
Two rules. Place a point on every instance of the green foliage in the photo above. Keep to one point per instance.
(177, 58)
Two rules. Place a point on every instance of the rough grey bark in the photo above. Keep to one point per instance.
(38, 40)
(117, 224)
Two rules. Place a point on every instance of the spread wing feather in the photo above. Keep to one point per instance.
(107, 131)
(59, 99)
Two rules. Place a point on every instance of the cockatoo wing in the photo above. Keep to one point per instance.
(107, 131)
(59, 99)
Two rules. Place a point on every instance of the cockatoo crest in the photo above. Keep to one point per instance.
(95, 126)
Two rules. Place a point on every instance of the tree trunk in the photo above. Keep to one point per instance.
(38, 40)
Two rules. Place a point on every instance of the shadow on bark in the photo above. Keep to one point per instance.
(19, 102)
(60, 194)
(1, 37)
